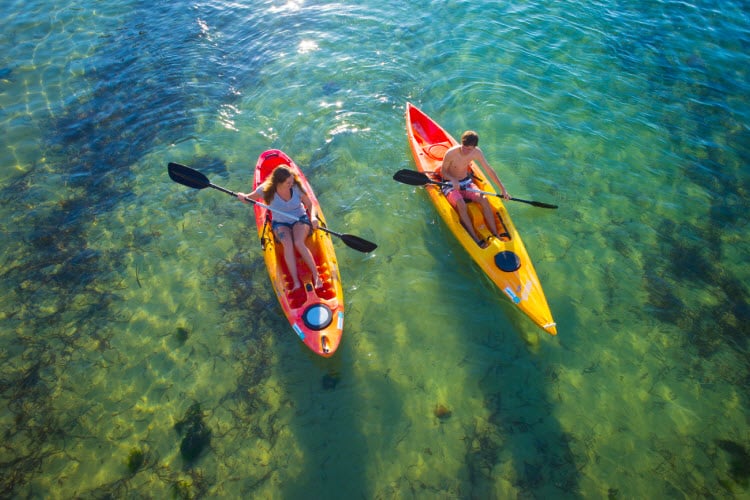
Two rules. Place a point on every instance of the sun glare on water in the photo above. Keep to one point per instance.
(291, 6)
(306, 46)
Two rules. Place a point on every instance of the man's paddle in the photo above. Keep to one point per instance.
(414, 178)
(194, 179)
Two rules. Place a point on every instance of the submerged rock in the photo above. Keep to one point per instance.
(135, 461)
(442, 412)
(330, 381)
(182, 335)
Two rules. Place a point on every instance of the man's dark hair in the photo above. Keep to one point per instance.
(470, 138)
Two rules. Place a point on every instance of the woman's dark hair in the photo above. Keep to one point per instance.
(279, 175)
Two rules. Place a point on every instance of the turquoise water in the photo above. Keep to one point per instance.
(144, 354)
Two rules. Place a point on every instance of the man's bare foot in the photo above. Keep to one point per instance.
(295, 285)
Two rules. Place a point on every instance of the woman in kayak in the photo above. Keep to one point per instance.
(456, 169)
(291, 225)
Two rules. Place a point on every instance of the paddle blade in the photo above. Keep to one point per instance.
(358, 243)
(543, 205)
(412, 177)
(187, 176)
(535, 203)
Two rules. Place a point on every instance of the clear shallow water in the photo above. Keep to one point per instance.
(128, 299)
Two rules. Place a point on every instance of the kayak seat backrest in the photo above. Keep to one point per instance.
(437, 151)
(418, 132)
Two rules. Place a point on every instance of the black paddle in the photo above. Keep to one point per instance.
(194, 179)
(414, 178)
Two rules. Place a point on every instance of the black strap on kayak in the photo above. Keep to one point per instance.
(263, 240)
(505, 235)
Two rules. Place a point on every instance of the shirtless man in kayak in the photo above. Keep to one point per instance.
(456, 171)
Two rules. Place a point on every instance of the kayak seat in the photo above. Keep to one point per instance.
(437, 151)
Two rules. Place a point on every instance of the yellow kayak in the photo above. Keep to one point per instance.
(504, 260)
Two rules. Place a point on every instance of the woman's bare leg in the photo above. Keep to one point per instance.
(284, 235)
(301, 232)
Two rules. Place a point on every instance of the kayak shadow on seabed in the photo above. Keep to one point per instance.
(521, 428)
(521, 441)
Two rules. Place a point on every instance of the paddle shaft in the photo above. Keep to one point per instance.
(416, 178)
(352, 241)
(301, 219)
(472, 190)
(194, 179)
(273, 210)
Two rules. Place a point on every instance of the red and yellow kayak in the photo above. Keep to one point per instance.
(505, 260)
(316, 315)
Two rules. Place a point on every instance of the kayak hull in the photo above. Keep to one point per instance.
(316, 315)
(505, 261)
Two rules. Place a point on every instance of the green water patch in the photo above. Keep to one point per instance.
(69, 255)
(700, 251)
(47, 425)
(58, 306)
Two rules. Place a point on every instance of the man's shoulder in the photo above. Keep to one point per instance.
(476, 154)
(451, 151)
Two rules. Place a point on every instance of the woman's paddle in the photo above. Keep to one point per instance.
(194, 179)
(414, 178)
